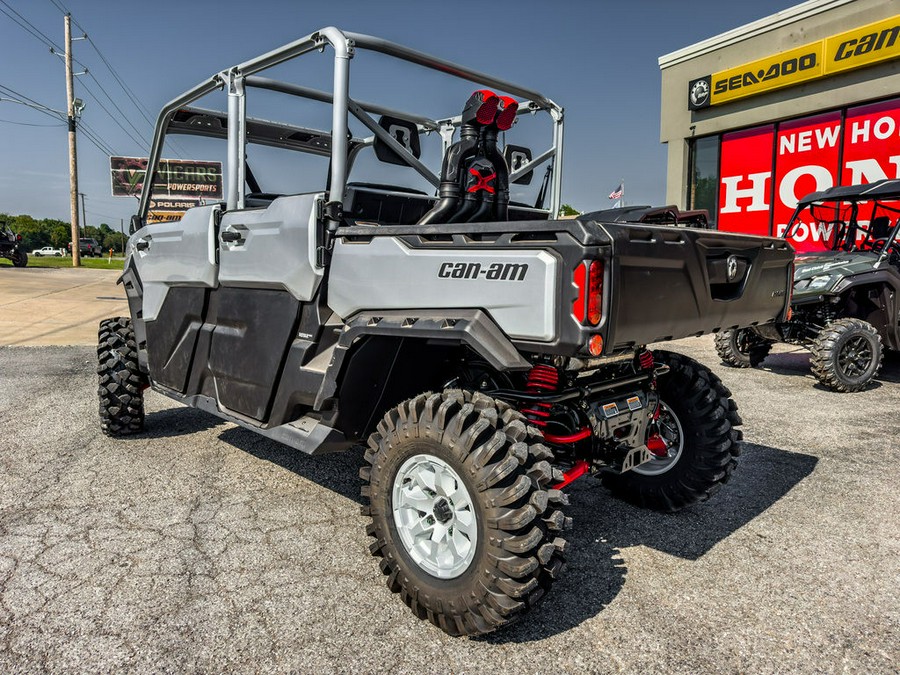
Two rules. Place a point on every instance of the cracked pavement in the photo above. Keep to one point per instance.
(201, 546)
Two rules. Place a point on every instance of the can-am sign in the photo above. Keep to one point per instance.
(175, 178)
(808, 155)
(874, 43)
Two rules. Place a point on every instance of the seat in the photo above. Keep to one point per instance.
(880, 227)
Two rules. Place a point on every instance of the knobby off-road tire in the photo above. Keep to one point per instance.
(846, 355)
(490, 484)
(19, 259)
(699, 420)
(122, 384)
(741, 348)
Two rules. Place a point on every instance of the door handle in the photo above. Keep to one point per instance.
(142, 244)
(232, 237)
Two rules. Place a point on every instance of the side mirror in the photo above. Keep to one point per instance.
(402, 131)
(516, 157)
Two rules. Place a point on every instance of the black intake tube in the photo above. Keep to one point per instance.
(492, 153)
(451, 176)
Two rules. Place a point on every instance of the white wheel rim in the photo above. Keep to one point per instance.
(671, 432)
(435, 517)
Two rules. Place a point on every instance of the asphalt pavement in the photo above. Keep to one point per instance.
(199, 546)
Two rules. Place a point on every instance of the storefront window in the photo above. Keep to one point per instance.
(704, 179)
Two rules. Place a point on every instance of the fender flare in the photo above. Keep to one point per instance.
(471, 327)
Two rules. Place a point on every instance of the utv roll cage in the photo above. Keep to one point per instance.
(178, 117)
(878, 193)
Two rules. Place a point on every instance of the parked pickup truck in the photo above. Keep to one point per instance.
(88, 246)
(48, 251)
(486, 353)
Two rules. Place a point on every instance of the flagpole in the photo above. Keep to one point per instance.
(622, 200)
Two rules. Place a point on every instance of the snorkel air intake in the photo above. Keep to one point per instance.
(474, 174)
(479, 111)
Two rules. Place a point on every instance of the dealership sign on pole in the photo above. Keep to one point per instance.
(178, 185)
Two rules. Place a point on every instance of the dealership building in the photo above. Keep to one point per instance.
(799, 101)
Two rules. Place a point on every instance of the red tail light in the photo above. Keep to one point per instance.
(580, 280)
(18, 237)
(588, 278)
(595, 292)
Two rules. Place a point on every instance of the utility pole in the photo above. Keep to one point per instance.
(83, 214)
(73, 156)
(122, 229)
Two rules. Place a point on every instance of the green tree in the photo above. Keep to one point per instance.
(566, 210)
(61, 235)
(34, 233)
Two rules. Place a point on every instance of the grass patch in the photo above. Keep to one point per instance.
(92, 263)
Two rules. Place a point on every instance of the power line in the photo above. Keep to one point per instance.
(28, 124)
(31, 103)
(84, 125)
(118, 109)
(97, 144)
(111, 116)
(28, 26)
(96, 139)
(139, 106)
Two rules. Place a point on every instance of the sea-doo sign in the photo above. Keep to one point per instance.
(839, 53)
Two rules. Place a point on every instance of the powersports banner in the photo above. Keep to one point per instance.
(809, 154)
(864, 46)
(175, 178)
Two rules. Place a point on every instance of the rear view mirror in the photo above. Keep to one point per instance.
(516, 157)
(402, 131)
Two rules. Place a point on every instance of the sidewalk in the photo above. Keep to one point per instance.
(40, 307)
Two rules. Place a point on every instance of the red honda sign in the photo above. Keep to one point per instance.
(746, 172)
(806, 160)
(806, 155)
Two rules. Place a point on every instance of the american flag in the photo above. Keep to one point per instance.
(618, 192)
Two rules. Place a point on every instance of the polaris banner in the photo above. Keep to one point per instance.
(808, 155)
(175, 178)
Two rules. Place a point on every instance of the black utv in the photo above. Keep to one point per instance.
(11, 246)
(846, 298)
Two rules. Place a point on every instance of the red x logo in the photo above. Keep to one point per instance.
(483, 181)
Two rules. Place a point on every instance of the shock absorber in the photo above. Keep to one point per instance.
(542, 378)
(656, 444)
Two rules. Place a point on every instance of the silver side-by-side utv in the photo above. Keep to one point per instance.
(485, 352)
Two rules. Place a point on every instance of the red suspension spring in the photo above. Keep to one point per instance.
(645, 358)
(544, 378)
(541, 378)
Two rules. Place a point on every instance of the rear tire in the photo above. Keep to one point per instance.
(699, 421)
(742, 348)
(846, 355)
(19, 259)
(478, 563)
(122, 384)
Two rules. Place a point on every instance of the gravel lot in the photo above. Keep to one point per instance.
(200, 546)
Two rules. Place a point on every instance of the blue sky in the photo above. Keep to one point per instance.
(597, 59)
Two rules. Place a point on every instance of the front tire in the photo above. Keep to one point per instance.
(462, 517)
(742, 348)
(122, 384)
(19, 259)
(846, 355)
(698, 420)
